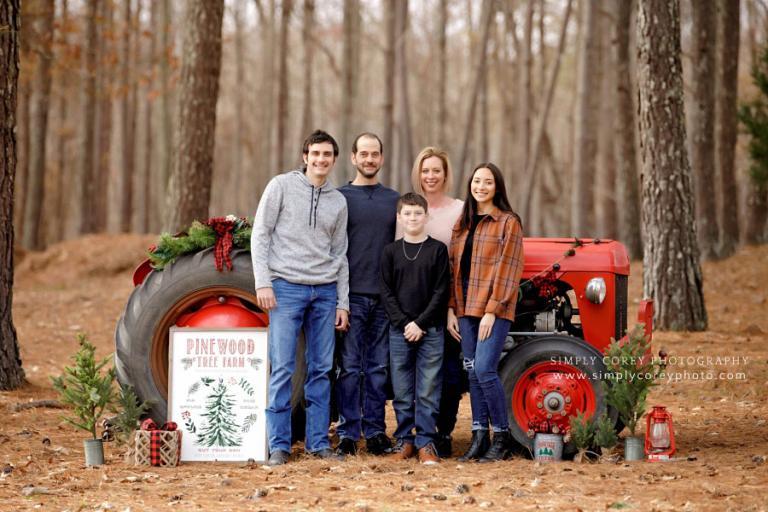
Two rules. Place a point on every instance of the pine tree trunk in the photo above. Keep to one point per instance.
(190, 184)
(104, 105)
(283, 88)
(480, 59)
(32, 237)
(525, 105)
(24, 116)
(266, 93)
(350, 70)
(239, 176)
(307, 121)
(11, 372)
(442, 73)
(165, 141)
(86, 167)
(627, 177)
(671, 269)
(388, 137)
(405, 138)
(128, 119)
(727, 123)
(605, 179)
(703, 126)
(585, 144)
(58, 223)
(144, 198)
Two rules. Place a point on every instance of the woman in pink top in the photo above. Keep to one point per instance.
(431, 177)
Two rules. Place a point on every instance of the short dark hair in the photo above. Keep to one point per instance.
(370, 136)
(412, 199)
(318, 137)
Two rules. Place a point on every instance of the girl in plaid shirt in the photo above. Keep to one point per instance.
(486, 257)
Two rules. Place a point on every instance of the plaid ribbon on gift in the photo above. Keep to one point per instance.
(156, 439)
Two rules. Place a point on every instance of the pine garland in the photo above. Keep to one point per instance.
(199, 236)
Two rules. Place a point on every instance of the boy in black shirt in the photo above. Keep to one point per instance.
(414, 287)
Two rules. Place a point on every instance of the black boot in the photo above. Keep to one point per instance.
(481, 441)
(501, 448)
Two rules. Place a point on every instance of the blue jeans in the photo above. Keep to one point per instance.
(481, 360)
(417, 383)
(363, 367)
(312, 307)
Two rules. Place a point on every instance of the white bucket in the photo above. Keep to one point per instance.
(548, 447)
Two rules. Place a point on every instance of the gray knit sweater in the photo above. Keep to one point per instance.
(300, 235)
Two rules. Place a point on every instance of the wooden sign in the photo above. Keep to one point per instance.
(218, 392)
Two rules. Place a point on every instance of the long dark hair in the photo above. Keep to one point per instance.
(499, 197)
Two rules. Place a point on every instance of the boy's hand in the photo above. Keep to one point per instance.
(265, 297)
(342, 320)
(486, 325)
(413, 332)
(453, 325)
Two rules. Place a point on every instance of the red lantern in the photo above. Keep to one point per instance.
(659, 434)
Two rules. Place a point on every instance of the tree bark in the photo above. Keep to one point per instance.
(283, 88)
(525, 67)
(703, 126)
(350, 70)
(726, 128)
(605, 179)
(165, 142)
(388, 137)
(24, 115)
(585, 144)
(442, 74)
(103, 158)
(58, 222)
(128, 120)
(627, 178)
(88, 121)
(541, 123)
(266, 92)
(405, 137)
(190, 184)
(145, 188)
(480, 59)
(307, 121)
(238, 191)
(671, 269)
(11, 372)
(32, 237)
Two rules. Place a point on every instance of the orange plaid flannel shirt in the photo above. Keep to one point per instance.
(497, 264)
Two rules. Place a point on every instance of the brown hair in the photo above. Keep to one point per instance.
(412, 199)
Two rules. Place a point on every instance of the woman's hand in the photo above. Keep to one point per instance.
(486, 325)
(453, 324)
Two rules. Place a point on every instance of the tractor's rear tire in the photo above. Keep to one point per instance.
(141, 336)
(535, 363)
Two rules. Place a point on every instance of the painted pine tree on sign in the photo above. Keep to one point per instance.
(671, 269)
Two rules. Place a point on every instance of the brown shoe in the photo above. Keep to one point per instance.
(402, 451)
(428, 455)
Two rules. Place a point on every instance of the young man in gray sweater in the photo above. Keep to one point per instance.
(299, 248)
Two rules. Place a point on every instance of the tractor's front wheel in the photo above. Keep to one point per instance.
(547, 380)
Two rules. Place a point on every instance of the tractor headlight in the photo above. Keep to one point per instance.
(596, 290)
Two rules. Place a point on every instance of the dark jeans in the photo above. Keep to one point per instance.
(417, 384)
(363, 365)
(481, 360)
(454, 385)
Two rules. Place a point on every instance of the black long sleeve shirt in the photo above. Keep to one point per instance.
(415, 288)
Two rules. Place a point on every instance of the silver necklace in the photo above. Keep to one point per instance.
(417, 252)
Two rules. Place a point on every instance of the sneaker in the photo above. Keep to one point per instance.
(444, 446)
(402, 451)
(346, 447)
(327, 453)
(428, 455)
(278, 458)
(379, 444)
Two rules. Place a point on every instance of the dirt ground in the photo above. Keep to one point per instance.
(719, 410)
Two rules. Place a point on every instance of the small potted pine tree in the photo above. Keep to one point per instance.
(632, 373)
(581, 433)
(89, 391)
(129, 411)
(605, 437)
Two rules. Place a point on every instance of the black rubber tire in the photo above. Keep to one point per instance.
(544, 349)
(150, 302)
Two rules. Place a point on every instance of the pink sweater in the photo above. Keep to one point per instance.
(441, 221)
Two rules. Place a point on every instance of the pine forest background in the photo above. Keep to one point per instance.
(547, 89)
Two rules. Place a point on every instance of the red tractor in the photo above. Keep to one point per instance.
(573, 300)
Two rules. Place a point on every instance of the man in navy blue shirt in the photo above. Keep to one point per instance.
(364, 352)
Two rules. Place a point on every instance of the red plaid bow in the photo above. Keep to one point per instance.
(155, 438)
(221, 251)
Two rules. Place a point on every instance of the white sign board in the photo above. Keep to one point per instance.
(218, 392)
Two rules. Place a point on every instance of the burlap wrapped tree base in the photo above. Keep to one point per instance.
(167, 450)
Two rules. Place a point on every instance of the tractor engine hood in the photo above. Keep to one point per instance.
(593, 256)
